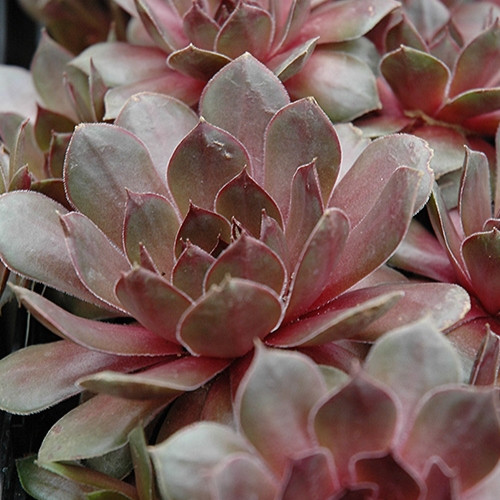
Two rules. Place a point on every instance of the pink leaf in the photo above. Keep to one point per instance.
(316, 264)
(160, 122)
(101, 164)
(359, 417)
(43, 375)
(243, 199)
(153, 301)
(163, 381)
(358, 190)
(200, 28)
(98, 426)
(189, 272)
(205, 160)
(97, 261)
(33, 243)
(249, 28)
(298, 134)
(475, 192)
(250, 259)
(435, 432)
(273, 403)
(95, 335)
(260, 95)
(419, 79)
(150, 221)
(226, 320)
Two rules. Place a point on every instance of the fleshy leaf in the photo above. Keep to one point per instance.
(475, 192)
(160, 122)
(435, 432)
(317, 261)
(289, 63)
(249, 28)
(250, 259)
(273, 402)
(183, 461)
(97, 261)
(143, 468)
(481, 253)
(43, 375)
(200, 28)
(412, 361)
(482, 52)
(47, 122)
(202, 228)
(338, 98)
(163, 381)
(310, 476)
(346, 20)
(259, 95)
(43, 484)
(227, 319)
(33, 242)
(95, 335)
(379, 233)
(419, 79)
(359, 417)
(189, 272)
(306, 209)
(196, 62)
(163, 23)
(204, 161)
(392, 478)
(47, 67)
(298, 134)
(98, 426)
(243, 476)
(103, 161)
(152, 300)
(343, 318)
(243, 199)
(359, 189)
(150, 220)
(18, 92)
(487, 362)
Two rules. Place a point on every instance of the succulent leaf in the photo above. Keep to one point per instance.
(250, 259)
(297, 134)
(164, 381)
(31, 217)
(206, 159)
(359, 417)
(419, 79)
(435, 433)
(98, 263)
(160, 122)
(315, 266)
(260, 95)
(64, 362)
(112, 338)
(152, 300)
(150, 221)
(273, 402)
(200, 28)
(244, 200)
(226, 320)
(93, 181)
(248, 28)
(475, 192)
(98, 426)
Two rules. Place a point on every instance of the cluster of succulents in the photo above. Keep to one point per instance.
(253, 297)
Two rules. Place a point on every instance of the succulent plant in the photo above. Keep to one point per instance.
(404, 425)
(247, 234)
(318, 48)
(430, 86)
(465, 248)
